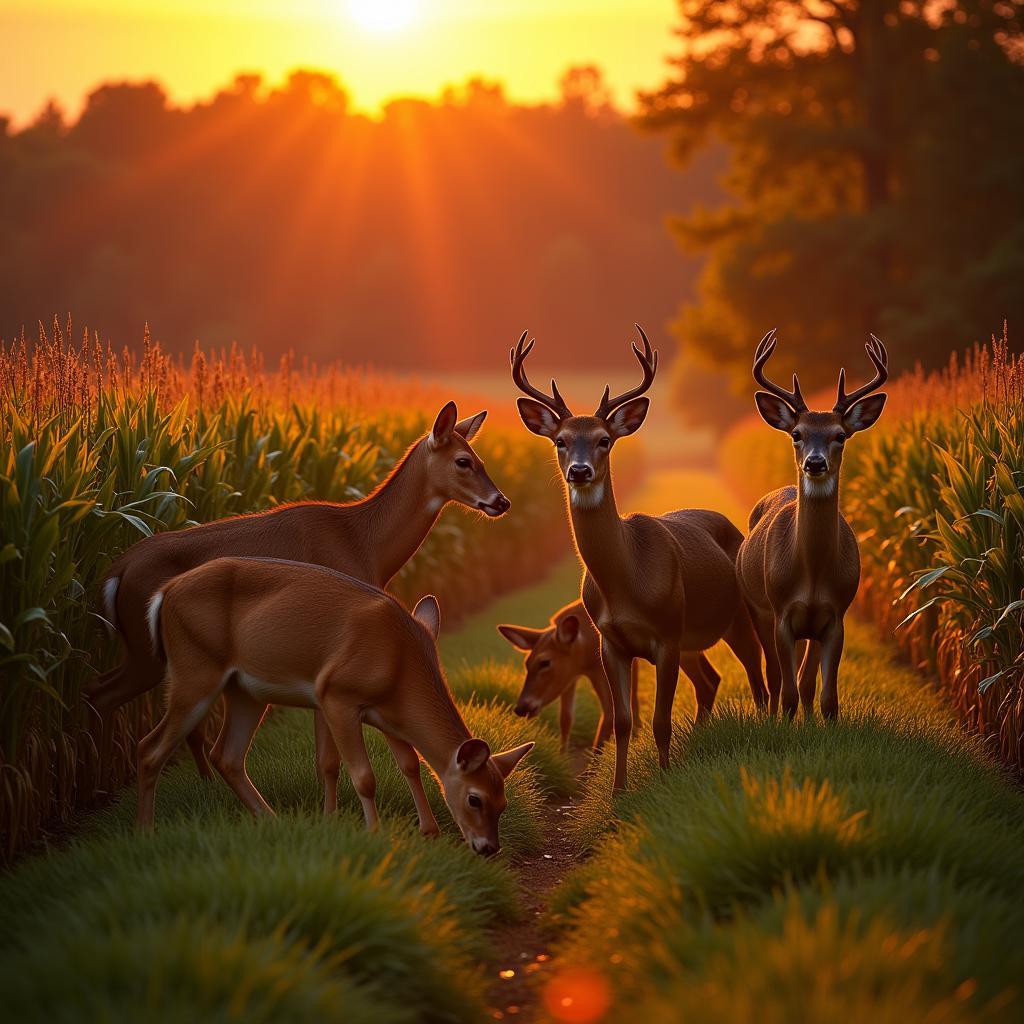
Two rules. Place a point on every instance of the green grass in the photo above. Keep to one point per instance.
(185, 912)
(786, 871)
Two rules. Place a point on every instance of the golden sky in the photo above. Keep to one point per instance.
(379, 48)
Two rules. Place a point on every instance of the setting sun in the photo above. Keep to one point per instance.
(382, 15)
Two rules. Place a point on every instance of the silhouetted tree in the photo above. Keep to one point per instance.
(876, 149)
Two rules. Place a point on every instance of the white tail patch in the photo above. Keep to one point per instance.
(153, 618)
(110, 599)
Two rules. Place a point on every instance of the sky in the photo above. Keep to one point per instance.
(378, 48)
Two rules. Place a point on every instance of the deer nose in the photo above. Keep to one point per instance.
(497, 506)
(485, 847)
(815, 465)
(580, 473)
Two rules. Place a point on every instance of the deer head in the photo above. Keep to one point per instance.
(584, 443)
(555, 658)
(473, 785)
(455, 471)
(819, 437)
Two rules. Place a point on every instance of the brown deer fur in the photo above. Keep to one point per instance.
(800, 565)
(557, 657)
(267, 630)
(370, 539)
(661, 588)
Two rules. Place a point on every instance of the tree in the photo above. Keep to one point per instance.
(874, 146)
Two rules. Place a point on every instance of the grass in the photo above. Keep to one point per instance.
(189, 919)
(787, 871)
(218, 917)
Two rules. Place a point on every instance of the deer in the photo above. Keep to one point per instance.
(568, 649)
(800, 564)
(270, 630)
(660, 588)
(370, 539)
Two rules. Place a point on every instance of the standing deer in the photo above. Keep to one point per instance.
(661, 588)
(268, 630)
(799, 566)
(556, 657)
(370, 539)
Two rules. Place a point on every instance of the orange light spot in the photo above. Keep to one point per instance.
(577, 996)
(506, 974)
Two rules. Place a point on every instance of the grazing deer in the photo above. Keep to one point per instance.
(370, 539)
(269, 630)
(556, 657)
(661, 588)
(799, 566)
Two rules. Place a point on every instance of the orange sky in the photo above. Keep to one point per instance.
(63, 48)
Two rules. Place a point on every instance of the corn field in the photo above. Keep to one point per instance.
(99, 449)
(935, 494)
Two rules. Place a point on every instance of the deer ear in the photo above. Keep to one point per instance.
(521, 637)
(507, 760)
(538, 418)
(775, 412)
(628, 418)
(428, 613)
(472, 755)
(863, 414)
(444, 424)
(568, 629)
(470, 426)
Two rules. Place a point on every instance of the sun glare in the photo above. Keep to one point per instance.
(382, 15)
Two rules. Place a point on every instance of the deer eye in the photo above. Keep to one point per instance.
(559, 443)
(541, 665)
(474, 801)
(840, 439)
(797, 437)
(605, 442)
(463, 463)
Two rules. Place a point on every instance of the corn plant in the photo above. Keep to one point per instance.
(99, 450)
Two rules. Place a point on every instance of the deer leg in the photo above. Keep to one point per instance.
(196, 740)
(705, 680)
(616, 668)
(604, 696)
(409, 765)
(566, 713)
(242, 717)
(634, 694)
(667, 668)
(831, 655)
(328, 761)
(744, 642)
(347, 731)
(785, 644)
(808, 680)
(156, 747)
(764, 625)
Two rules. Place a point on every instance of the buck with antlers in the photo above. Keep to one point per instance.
(556, 658)
(800, 565)
(661, 588)
(370, 539)
(259, 630)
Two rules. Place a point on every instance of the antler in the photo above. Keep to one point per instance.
(648, 360)
(554, 401)
(794, 399)
(880, 358)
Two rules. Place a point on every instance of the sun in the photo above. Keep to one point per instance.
(382, 15)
